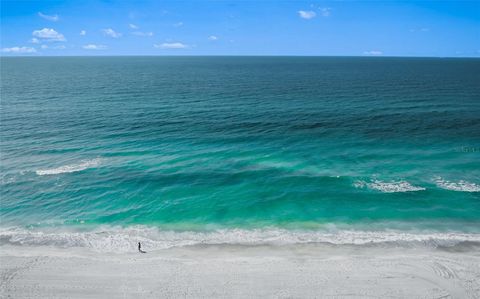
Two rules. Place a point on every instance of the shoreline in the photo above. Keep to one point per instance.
(237, 271)
(116, 239)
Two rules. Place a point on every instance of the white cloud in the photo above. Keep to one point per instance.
(420, 30)
(110, 32)
(94, 47)
(34, 40)
(133, 26)
(212, 37)
(176, 45)
(52, 18)
(307, 14)
(19, 50)
(140, 33)
(83, 32)
(49, 34)
(60, 47)
(325, 11)
(373, 53)
(179, 24)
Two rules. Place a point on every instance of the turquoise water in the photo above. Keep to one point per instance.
(240, 143)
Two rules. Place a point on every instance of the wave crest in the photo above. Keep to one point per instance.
(457, 186)
(70, 168)
(388, 187)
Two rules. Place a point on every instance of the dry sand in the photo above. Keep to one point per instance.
(307, 271)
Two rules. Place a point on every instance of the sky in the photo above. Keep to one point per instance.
(330, 28)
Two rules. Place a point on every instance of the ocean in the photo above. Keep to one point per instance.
(102, 152)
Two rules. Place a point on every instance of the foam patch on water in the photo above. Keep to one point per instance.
(112, 239)
(457, 186)
(388, 187)
(85, 164)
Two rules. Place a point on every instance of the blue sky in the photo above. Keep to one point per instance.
(354, 28)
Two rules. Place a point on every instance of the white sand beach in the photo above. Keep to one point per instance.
(297, 271)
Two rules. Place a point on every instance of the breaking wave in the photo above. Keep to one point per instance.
(388, 187)
(457, 186)
(70, 168)
(116, 239)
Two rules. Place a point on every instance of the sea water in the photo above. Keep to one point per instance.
(101, 152)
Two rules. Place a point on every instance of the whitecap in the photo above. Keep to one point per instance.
(457, 186)
(388, 187)
(85, 164)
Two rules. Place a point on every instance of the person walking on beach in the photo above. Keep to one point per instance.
(140, 248)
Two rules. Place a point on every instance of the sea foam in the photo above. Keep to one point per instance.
(388, 187)
(85, 164)
(116, 239)
(457, 186)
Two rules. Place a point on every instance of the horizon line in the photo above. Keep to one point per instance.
(247, 55)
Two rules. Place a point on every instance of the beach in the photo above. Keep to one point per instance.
(296, 271)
